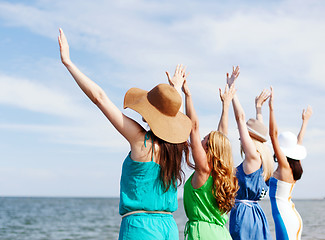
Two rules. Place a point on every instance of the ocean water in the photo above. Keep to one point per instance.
(98, 218)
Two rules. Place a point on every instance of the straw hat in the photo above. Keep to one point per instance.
(257, 130)
(289, 146)
(160, 108)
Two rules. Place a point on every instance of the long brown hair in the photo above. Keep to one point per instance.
(225, 183)
(170, 161)
(296, 168)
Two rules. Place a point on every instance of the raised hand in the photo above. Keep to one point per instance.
(306, 114)
(179, 77)
(226, 99)
(234, 75)
(64, 48)
(228, 94)
(186, 89)
(259, 100)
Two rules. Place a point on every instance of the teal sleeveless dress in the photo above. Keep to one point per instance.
(205, 221)
(142, 189)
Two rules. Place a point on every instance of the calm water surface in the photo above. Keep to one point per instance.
(98, 218)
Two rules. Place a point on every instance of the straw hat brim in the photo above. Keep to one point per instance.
(257, 129)
(256, 135)
(173, 129)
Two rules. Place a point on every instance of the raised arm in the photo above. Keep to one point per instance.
(252, 161)
(177, 80)
(226, 98)
(126, 126)
(251, 155)
(259, 100)
(306, 114)
(198, 152)
(273, 131)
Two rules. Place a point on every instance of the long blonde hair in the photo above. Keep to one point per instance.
(225, 183)
(266, 157)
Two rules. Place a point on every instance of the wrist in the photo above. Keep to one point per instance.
(178, 88)
(225, 104)
(67, 62)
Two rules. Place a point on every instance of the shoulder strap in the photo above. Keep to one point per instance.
(147, 137)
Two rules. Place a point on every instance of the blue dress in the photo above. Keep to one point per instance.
(247, 219)
(142, 189)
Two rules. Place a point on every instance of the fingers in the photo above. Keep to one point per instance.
(177, 69)
(307, 113)
(232, 89)
(180, 70)
(309, 109)
(226, 88)
(271, 95)
(260, 99)
(187, 75)
(235, 72)
(185, 88)
(168, 77)
(183, 70)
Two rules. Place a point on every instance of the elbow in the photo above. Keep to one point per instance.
(240, 117)
(98, 98)
(195, 125)
(273, 133)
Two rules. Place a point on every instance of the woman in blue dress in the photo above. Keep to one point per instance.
(152, 169)
(247, 219)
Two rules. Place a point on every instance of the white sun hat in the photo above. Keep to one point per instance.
(290, 147)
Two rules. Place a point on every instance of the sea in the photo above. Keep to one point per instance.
(42, 218)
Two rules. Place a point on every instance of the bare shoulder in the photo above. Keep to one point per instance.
(284, 174)
(142, 147)
(252, 164)
(199, 179)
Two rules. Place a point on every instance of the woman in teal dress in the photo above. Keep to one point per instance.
(152, 169)
(209, 193)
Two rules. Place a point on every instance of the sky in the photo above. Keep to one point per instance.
(55, 142)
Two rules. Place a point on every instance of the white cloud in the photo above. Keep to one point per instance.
(34, 96)
(96, 134)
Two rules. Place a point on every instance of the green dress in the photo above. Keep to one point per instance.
(205, 219)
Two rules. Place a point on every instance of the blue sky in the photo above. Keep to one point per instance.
(54, 141)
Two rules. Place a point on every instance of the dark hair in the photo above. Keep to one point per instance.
(170, 161)
(296, 168)
(274, 158)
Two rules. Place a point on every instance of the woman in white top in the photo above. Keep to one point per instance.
(288, 152)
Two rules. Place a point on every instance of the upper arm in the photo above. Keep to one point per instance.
(129, 128)
(252, 159)
(246, 141)
(198, 152)
(282, 159)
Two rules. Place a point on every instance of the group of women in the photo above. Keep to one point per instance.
(152, 170)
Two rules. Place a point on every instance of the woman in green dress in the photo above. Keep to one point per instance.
(209, 194)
